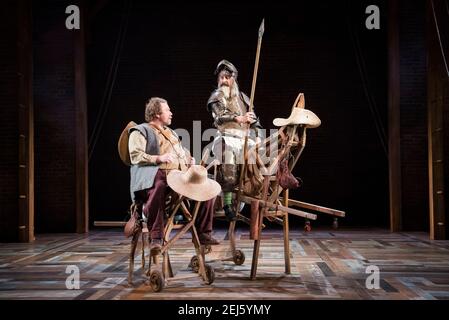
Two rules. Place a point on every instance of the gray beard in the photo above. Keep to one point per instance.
(231, 98)
(230, 93)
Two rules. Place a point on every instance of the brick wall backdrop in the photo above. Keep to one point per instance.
(415, 198)
(54, 118)
(9, 188)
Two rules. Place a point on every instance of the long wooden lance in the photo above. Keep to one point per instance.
(251, 108)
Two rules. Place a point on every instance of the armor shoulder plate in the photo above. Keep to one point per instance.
(216, 96)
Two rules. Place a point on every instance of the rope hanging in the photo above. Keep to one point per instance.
(438, 34)
(380, 129)
(112, 76)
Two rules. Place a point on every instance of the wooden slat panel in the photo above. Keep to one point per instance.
(437, 89)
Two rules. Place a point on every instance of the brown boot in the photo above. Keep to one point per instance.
(155, 247)
(207, 239)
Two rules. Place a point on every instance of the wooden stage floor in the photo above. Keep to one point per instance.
(325, 265)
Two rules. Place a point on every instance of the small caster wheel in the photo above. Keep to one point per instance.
(335, 224)
(207, 249)
(152, 267)
(307, 227)
(156, 281)
(195, 264)
(210, 274)
(239, 257)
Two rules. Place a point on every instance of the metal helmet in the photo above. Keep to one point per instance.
(226, 65)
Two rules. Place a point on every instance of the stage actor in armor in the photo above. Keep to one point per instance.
(229, 108)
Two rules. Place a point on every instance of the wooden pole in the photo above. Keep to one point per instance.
(256, 65)
(81, 148)
(26, 120)
(394, 120)
(253, 89)
(437, 90)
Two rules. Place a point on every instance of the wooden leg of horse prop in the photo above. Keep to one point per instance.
(260, 222)
(134, 242)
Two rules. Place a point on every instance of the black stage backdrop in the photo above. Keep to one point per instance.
(321, 48)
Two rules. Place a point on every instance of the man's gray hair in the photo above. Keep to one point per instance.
(153, 108)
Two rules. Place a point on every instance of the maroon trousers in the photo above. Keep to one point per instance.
(154, 210)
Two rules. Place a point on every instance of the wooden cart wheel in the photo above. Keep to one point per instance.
(157, 281)
(195, 264)
(239, 257)
(210, 274)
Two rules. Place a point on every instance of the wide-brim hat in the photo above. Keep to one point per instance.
(226, 65)
(299, 116)
(193, 183)
(122, 144)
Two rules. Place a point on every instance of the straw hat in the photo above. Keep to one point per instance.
(299, 116)
(193, 183)
(122, 144)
